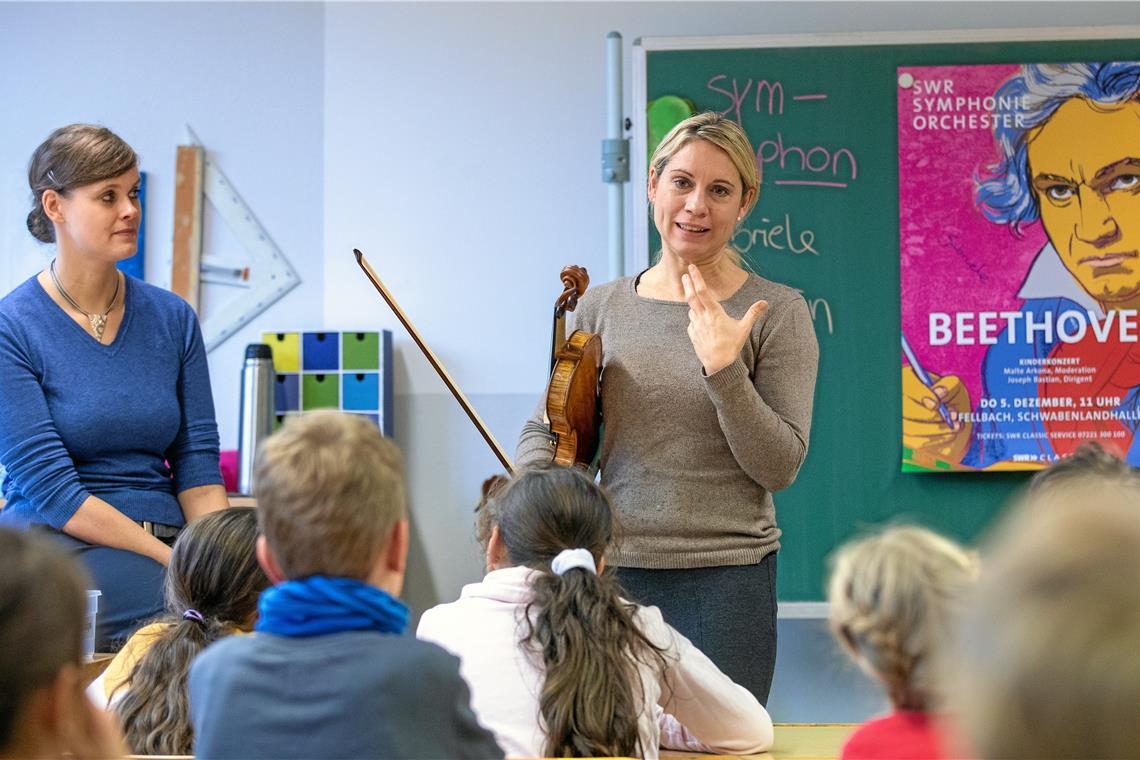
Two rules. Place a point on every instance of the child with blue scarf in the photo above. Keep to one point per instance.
(329, 671)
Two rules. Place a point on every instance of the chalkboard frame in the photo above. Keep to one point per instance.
(970, 501)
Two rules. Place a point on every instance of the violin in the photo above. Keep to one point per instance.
(572, 408)
(573, 411)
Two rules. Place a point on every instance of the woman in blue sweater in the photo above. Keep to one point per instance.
(107, 429)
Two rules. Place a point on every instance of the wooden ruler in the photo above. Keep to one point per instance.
(264, 274)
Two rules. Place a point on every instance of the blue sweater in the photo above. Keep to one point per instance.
(131, 422)
(355, 694)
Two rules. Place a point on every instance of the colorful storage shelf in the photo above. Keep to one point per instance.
(350, 371)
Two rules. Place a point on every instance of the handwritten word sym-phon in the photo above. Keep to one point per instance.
(805, 165)
(756, 95)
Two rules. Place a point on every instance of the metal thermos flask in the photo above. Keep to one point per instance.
(258, 385)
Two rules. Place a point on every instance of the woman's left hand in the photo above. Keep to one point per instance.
(717, 338)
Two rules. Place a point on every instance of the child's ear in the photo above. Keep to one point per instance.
(268, 562)
(496, 556)
(396, 553)
(40, 720)
(56, 708)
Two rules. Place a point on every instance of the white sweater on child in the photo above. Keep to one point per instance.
(693, 707)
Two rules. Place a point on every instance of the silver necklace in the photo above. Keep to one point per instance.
(98, 321)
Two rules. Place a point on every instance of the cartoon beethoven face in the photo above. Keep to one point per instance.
(1084, 165)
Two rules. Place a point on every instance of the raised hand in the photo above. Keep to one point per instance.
(717, 338)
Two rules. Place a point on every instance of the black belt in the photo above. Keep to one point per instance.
(158, 530)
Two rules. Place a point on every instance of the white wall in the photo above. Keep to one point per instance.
(246, 76)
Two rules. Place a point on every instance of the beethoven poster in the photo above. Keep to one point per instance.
(1019, 213)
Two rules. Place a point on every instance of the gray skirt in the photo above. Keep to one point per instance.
(729, 613)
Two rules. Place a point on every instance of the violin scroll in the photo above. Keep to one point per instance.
(575, 280)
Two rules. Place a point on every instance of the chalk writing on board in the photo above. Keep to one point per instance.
(820, 309)
(840, 165)
(780, 234)
(774, 91)
(807, 165)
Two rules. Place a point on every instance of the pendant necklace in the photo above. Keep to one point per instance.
(98, 321)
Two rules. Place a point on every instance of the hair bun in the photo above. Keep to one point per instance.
(39, 226)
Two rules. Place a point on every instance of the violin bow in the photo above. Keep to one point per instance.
(370, 273)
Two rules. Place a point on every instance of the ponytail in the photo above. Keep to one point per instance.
(212, 586)
(591, 652)
(155, 711)
(584, 637)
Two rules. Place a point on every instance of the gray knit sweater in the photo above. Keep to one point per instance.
(690, 460)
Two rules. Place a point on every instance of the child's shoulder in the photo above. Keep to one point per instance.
(223, 651)
(407, 654)
(902, 734)
(374, 654)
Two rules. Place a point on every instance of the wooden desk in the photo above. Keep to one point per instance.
(794, 741)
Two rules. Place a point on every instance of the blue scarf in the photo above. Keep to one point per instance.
(323, 604)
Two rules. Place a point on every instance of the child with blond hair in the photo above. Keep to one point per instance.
(894, 599)
(328, 671)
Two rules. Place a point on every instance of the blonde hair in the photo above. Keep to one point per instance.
(894, 597)
(329, 490)
(1048, 665)
(725, 134)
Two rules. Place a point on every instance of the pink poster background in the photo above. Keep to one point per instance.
(953, 258)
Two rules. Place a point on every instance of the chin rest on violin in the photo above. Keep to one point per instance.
(572, 405)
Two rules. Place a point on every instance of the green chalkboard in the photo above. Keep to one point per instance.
(827, 112)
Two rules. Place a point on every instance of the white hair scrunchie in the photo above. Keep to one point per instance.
(568, 559)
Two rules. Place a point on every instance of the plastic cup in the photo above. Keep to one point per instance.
(89, 630)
